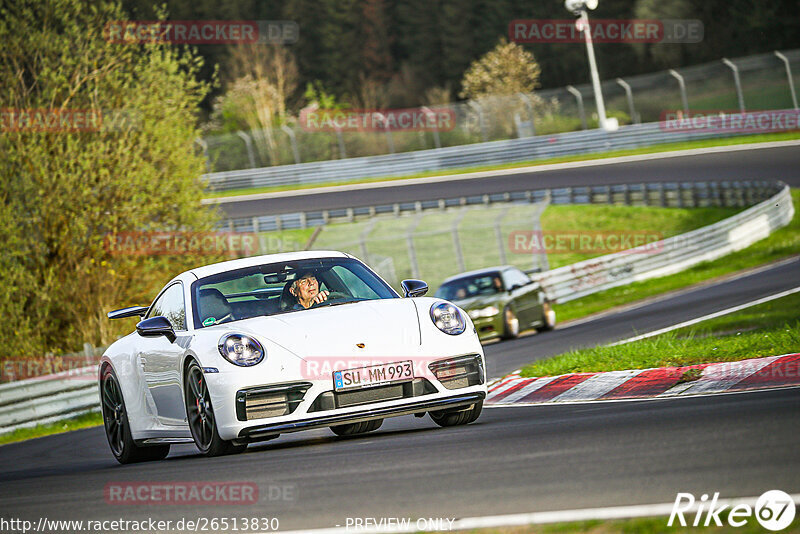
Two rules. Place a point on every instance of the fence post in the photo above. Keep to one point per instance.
(412, 252)
(387, 131)
(436, 141)
(200, 141)
(457, 242)
(481, 123)
(682, 83)
(249, 144)
(579, 98)
(529, 106)
(736, 81)
(629, 94)
(342, 153)
(789, 76)
(293, 140)
(362, 239)
(498, 232)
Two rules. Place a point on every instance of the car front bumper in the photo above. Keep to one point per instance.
(312, 403)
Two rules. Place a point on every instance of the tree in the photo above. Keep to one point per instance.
(508, 69)
(265, 79)
(64, 190)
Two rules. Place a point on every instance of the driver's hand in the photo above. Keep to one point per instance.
(322, 296)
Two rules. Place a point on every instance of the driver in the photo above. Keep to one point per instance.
(305, 289)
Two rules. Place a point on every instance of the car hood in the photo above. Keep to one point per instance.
(480, 301)
(386, 327)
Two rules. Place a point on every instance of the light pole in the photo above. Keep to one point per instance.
(579, 8)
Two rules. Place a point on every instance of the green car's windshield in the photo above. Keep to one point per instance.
(266, 289)
(471, 286)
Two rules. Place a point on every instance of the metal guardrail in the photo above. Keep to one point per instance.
(439, 159)
(671, 255)
(50, 398)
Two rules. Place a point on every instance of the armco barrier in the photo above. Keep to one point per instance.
(496, 152)
(675, 253)
(45, 399)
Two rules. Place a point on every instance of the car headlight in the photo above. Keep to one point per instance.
(488, 311)
(241, 350)
(447, 318)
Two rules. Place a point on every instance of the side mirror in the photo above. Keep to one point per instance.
(414, 288)
(513, 288)
(156, 326)
(130, 311)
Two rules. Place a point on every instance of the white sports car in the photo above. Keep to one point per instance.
(249, 349)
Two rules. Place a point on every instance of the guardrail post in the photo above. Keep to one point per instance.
(789, 76)
(248, 143)
(293, 140)
(581, 111)
(682, 84)
(629, 95)
(736, 81)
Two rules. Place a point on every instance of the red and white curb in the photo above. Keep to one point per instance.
(705, 378)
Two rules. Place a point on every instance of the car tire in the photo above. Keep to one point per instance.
(200, 415)
(117, 427)
(464, 417)
(357, 428)
(510, 324)
(548, 317)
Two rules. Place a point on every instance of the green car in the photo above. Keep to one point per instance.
(502, 301)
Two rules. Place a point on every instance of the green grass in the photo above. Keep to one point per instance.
(667, 147)
(645, 525)
(435, 248)
(780, 244)
(75, 423)
(768, 329)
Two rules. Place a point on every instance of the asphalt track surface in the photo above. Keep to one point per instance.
(779, 163)
(512, 460)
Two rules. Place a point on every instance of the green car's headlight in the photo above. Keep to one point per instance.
(241, 350)
(448, 318)
(488, 311)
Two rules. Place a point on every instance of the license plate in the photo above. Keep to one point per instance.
(375, 375)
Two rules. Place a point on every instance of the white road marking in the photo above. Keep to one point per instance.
(597, 385)
(538, 518)
(500, 172)
(707, 317)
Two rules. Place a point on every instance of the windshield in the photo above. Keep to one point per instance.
(471, 286)
(282, 288)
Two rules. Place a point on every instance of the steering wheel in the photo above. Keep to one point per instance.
(332, 295)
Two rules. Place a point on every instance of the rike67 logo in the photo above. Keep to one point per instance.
(774, 510)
